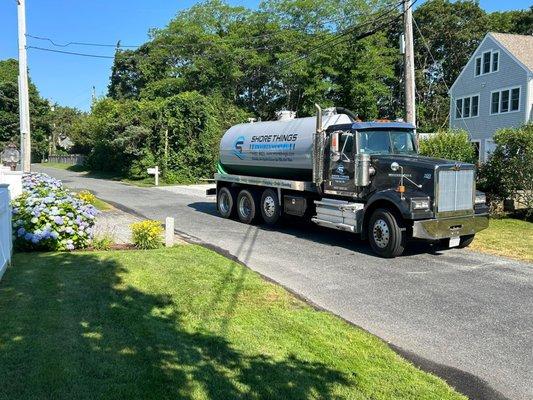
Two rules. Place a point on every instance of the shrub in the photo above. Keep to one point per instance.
(147, 234)
(87, 197)
(508, 173)
(450, 145)
(103, 242)
(48, 217)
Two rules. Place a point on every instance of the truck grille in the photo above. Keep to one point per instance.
(455, 190)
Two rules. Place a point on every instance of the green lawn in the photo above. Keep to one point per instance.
(149, 181)
(182, 323)
(506, 237)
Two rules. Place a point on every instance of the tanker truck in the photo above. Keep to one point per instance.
(364, 178)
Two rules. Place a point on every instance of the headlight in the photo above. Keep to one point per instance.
(420, 204)
(481, 198)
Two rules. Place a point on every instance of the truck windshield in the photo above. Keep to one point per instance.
(381, 141)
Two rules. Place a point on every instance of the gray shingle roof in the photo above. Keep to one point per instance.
(520, 46)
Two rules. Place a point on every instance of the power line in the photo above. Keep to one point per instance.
(118, 45)
(78, 43)
(332, 41)
(339, 38)
(70, 52)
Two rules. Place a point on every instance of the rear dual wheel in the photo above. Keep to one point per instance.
(248, 205)
(225, 202)
(270, 208)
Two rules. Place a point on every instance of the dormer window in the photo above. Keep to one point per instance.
(488, 62)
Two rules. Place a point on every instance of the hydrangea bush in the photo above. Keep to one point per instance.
(49, 217)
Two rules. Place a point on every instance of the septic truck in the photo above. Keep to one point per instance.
(365, 178)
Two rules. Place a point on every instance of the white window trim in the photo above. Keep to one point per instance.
(480, 66)
(491, 71)
(510, 89)
(463, 106)
(492, 61)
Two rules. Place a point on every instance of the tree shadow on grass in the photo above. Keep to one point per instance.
(71, 328)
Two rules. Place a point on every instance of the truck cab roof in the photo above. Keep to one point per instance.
(359, 126)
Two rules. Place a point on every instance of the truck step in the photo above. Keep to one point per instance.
(339, 214)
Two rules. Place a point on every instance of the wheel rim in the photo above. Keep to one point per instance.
(381, 233)
(223, 203)
(245, 207)
(269, 206)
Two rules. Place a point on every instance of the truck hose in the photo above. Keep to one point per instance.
(349, 113)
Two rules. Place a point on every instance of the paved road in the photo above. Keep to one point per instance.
(464, 315)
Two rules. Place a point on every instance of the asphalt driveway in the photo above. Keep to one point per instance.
(466, 316)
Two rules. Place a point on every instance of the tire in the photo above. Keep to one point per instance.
(225, 202)
(466, 241)
(247, 206)
(270, 208)
(387, 234)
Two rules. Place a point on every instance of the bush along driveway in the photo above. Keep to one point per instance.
(182, 323)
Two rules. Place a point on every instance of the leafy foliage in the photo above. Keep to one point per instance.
(147, 234)
(178, 133)
(450, 145)
(508, 172)
(9, 110)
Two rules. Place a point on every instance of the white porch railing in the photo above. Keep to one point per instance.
(6, 245)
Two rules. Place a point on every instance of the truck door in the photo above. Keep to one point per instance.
(340, 166)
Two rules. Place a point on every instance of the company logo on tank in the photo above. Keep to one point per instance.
(273, 147)
(266, 147)
(237, 147)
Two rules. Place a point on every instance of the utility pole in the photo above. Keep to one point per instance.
(409, 63)
(24, 102)
(93, 95)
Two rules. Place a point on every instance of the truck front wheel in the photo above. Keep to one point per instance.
(386, 234)
(225, 202)
(247, 209)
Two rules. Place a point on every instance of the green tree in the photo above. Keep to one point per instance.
(9, 110)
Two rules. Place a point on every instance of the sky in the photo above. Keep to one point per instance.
(67, 79)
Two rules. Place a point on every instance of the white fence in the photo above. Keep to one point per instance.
(6, 245)
(14, 180)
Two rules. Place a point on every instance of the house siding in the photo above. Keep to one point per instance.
(510, 74)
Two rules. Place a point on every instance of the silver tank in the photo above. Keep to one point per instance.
(277, 149)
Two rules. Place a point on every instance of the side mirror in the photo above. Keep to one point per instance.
(395, 166)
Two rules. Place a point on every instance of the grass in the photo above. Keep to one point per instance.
(102, 205)
(68, 167)
(507, 237)
(182, 323)
(144, 182)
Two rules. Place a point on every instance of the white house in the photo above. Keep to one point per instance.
(495, 89)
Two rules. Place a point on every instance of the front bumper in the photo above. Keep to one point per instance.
(434, 229)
